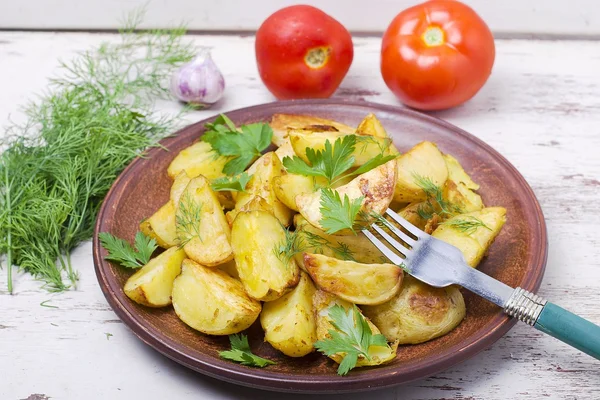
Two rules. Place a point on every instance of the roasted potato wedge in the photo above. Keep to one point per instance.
(261, 184)
(457, 174)
(288, 186)
(255, 235)
(355, 282)
(418, 313)
(467, 234)
(283, 151)
(152, 284)
(255, 203)
(411, 214)
(367, 147)
(180, 182)
(161, 226)
(425, 161)
(376, 186)
(230, 268)
(282, 123)
(371, 126)
(355, 247)
(201, 224)
(289, 322)
(211, 301)
(198, 159)
(461, 197)
(322, 302)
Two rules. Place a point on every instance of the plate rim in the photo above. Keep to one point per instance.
(367, 378)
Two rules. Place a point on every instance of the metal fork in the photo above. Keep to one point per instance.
(440, 264)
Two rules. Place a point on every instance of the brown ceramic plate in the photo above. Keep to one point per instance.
(517, 257)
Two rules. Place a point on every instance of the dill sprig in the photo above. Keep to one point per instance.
(301, 241)
(435, 203)
(466, 224)
(187, 219)
(93, 120)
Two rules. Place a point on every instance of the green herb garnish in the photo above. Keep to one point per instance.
(187, 219)
(243, 145)
(234, 184)
(337, 213)
(301, 241)
(435, 203)
(351, 337)
(240, 352)
(123, 253)
(334, 161)
(466, 224)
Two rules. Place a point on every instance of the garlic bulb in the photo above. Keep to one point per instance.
(198, 82)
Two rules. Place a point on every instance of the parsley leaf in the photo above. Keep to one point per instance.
(338, 214)
(240, 352)
(123, 253)
(235, 183)
(242, 145)
(351, 336)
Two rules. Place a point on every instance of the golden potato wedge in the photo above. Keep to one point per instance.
(457, 174)
(418, 313)
(201, 224)
(180, 182)
(467, 234)
(161, 226)
(285, 150)
(230, 268)
(353, 247)
(367, 147)
(289, 322)
(198, 159)
(371, 126)
(411, 214)
(282, 123)
(376, 186)
(255, 203)
(355, 282)
(424, 160)
(461, 197)
(152, 284)
(261, 184)
(255, 235)
(211, 301)
(322, 302)
(288, 186)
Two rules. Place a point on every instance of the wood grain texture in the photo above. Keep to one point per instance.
(540, 109)
(505, 18)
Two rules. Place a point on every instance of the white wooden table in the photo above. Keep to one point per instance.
(540, 109)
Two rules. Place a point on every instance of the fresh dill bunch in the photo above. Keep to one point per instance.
(187, 219)
(466, 224)
(57, 167)
(301, 241)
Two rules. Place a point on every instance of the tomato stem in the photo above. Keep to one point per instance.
(433, 36)
(317, 57)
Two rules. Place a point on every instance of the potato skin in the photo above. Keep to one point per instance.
(255, 235)
(457, 174)
(289, 322)
(198, 159)
(322, 301)
(376, 186)
(211, 301)
(212, 246)
(161, 226)
(418, 313)
(152, 284)
(475, 244)
(282, 123)
(354, 282)
(424, 160)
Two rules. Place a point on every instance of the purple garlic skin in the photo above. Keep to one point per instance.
(199, 81)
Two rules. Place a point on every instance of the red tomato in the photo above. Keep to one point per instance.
(302, 52)
(437, 54)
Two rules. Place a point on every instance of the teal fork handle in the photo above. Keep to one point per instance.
(570, 328)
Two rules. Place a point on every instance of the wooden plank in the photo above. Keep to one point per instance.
(540, 109)
(506, 18)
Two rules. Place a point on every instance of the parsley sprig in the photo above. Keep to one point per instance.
(351, 337)
(338, 214)
(240, 352)
(123, 253)
(234, 183)
(334, 161)
(243, 145)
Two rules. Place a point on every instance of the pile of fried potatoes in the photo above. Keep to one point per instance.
(229, 275)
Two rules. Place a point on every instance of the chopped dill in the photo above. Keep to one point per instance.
(466, 224)
(435, 203)
(301, 241)
(187, 219)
